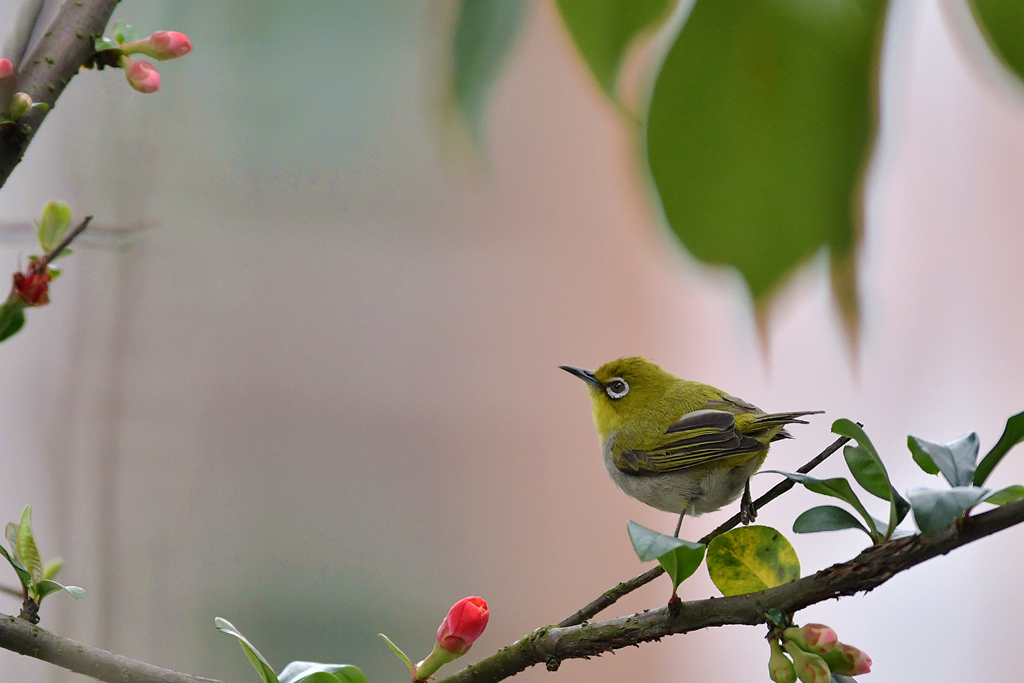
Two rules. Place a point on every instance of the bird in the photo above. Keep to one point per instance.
(677, 445)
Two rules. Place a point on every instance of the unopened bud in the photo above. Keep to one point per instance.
(814, 638)
(810, 668)
(847, 660)
(162, 45)
(20, 105)
(6, 69)
(780, 668)
(141, 76)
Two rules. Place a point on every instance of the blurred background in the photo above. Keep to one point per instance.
(306, 378)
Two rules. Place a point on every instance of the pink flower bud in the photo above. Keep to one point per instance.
(20, 105)
(169, 45)
(6, 68)
(814, 638)
(162, 45)
(847, 660)
(141, 75)
(810, 668)
(465, 622)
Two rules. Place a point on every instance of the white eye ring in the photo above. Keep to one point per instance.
(615, 381)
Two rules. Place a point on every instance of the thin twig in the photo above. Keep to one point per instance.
(873, 567)
(608, 598)
(40, 264)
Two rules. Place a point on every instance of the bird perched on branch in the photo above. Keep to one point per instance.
(676, 445)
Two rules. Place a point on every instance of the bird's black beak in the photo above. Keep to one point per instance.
(585, 375)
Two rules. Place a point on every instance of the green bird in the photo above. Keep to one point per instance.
(676, 445)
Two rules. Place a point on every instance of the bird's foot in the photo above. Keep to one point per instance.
(748, 513)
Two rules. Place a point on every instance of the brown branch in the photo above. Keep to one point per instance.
(47, 70)
(608, 598)
(22, 637)
(870, 569)
(40, 264)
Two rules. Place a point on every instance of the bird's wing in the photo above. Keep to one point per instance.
(696, 438)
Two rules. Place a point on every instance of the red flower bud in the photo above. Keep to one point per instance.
(465, 622)
(141, 76)
(33, 288)
(6, 68)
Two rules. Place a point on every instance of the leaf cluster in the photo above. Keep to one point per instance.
(36, 577)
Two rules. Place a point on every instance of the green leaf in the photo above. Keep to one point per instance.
(750, 559)
(125, 33)
(836, 487)
(1012, 435)
(53, 225)
(23, 576)
(401, 655)
(955, 459)
(649, 544)
(827, 518)
(1002, 23)
(27, 550)
(104, 43)
(760, 126)
(603, 31)
(936, 509)
(1007, 495)
(315, 672)
(259, 663)
(52, 568)
(869, 471)
(485, 34)
(12, 319)
(47, 586)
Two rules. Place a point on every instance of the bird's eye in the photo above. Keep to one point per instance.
(617, 387)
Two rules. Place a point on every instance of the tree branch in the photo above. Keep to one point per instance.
(870, 569)
(56, 58)
(22, 637)
(609, 597)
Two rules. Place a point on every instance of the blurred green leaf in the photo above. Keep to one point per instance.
(1007, 495)
(1012, 435)
(1002, 23)
(104, 43)
(936, 509)
(869, 471)
(750, 559)
(27, 550)
(485, 34)
(47, 586)
(836, 487)
(314, 672)
(52, 568)
(760, 126)
(827, 518)
(603, 31)
(53, 225)
(259, 663)
(23, 576)
(125, 33)
(955, 459)
(12, 319)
